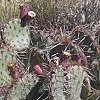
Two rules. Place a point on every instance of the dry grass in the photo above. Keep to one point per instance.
(53, 12)
(66, 12)
(58, 13)
(9, 9)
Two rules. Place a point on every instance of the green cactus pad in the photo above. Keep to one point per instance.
(17, 36)
(5, 58)
(73, 83)
(58, 80)
(76, 77)
(22, 88)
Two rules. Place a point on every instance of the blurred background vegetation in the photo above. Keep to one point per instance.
(57, 13)
(53, 12)
(9, 9)
(66, 13)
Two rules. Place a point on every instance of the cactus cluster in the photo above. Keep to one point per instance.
(25, 52)
(18, 49)
(17, 39)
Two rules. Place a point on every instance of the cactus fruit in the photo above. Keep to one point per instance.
(26, 15)
(16, 36)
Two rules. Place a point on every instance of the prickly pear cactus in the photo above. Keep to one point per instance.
(22, 88)
(58, 86)
(75, 81)
(5, 58)
(17, 36)
(68, 87)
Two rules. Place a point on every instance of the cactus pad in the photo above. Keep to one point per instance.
(76, 77)
(22, 88)
(17, 36)
(58, 86)
(5, 58)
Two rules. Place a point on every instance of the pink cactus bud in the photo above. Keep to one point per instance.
(24, 9)
(64, 61)
(14, 71)
(38, 70)
(26, 15)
